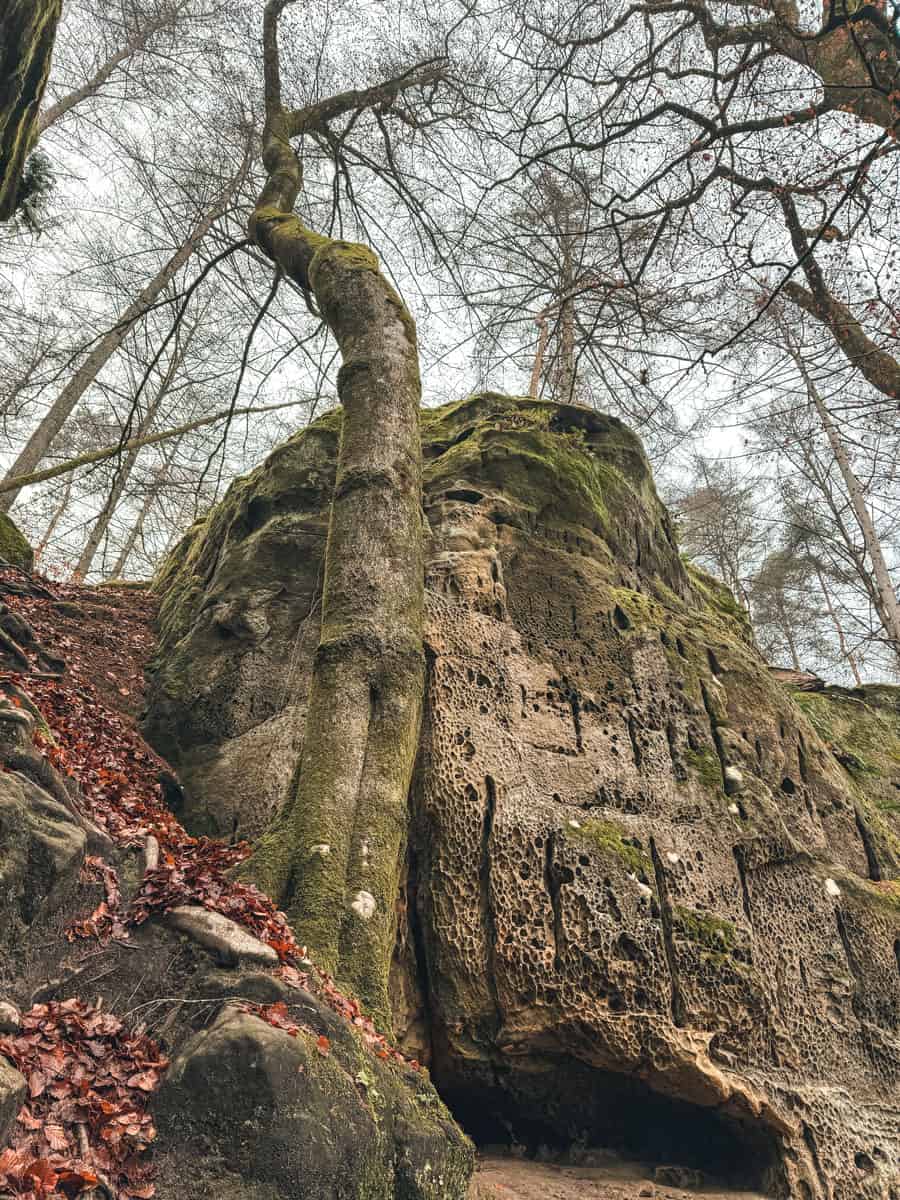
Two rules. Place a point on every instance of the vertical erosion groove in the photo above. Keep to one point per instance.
(865, 836)
(636, 749)
(552, 884)
(487, 901)
(714, 729)
(665, 914)
(745, 890)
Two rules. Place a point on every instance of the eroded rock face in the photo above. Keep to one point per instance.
(649, 901)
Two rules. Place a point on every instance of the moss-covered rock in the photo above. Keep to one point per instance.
(29, 31)
(308, 1116)
(14, 546)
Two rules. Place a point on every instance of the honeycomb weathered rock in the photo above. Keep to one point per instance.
(647, 890)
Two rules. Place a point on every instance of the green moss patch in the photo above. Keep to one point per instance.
(712, 933)
(610, 839)
(14, 546)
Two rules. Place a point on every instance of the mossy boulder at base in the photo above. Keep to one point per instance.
(651, 901)
(253, 1111)
(14, 546)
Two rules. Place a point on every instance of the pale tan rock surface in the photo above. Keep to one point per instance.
(649, 901)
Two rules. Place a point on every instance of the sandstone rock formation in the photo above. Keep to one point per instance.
(649, 900)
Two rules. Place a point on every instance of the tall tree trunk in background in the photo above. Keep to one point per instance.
(27, 33)
(42, 438)
(54, 520)
(788, 633)
(846, 652)
(334, 856)
(541, 320)
(123, 473)
(119, 483)
(565, 374)
(885, 597)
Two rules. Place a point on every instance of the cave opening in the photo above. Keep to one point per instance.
(566, 1111)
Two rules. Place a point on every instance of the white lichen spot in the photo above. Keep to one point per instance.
(641, 887)
(832, 888)
(573, 824)
(672, 857)
(321, 849)
(734, 775)
(366, 859)
(364, 905)
(734, 810)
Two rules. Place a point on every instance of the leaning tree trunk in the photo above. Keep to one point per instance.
(885, 597)
(63, 406)
(334, 857)
(136, 532)
(27, 33)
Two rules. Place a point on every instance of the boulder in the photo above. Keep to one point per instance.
(13, 1090)
(255, 1112)
(652, 898)
(42, 849)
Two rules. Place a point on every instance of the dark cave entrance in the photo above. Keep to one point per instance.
(564, 1110)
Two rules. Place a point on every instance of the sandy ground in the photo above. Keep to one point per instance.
(501, 1178)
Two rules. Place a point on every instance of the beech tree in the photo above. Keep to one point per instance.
(334, 854)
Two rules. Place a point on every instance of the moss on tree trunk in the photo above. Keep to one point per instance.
(27, 32)
(333, 858)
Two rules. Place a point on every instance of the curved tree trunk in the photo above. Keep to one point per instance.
(27, 33)
(885, 597)
(334, 857)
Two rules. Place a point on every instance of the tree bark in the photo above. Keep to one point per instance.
(334, 856)
(541, 320)
(874, 364)
(788, 633)
(27, 33)
(565, 375)
(42, 438)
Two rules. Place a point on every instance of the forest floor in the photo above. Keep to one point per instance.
(506, 1178)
